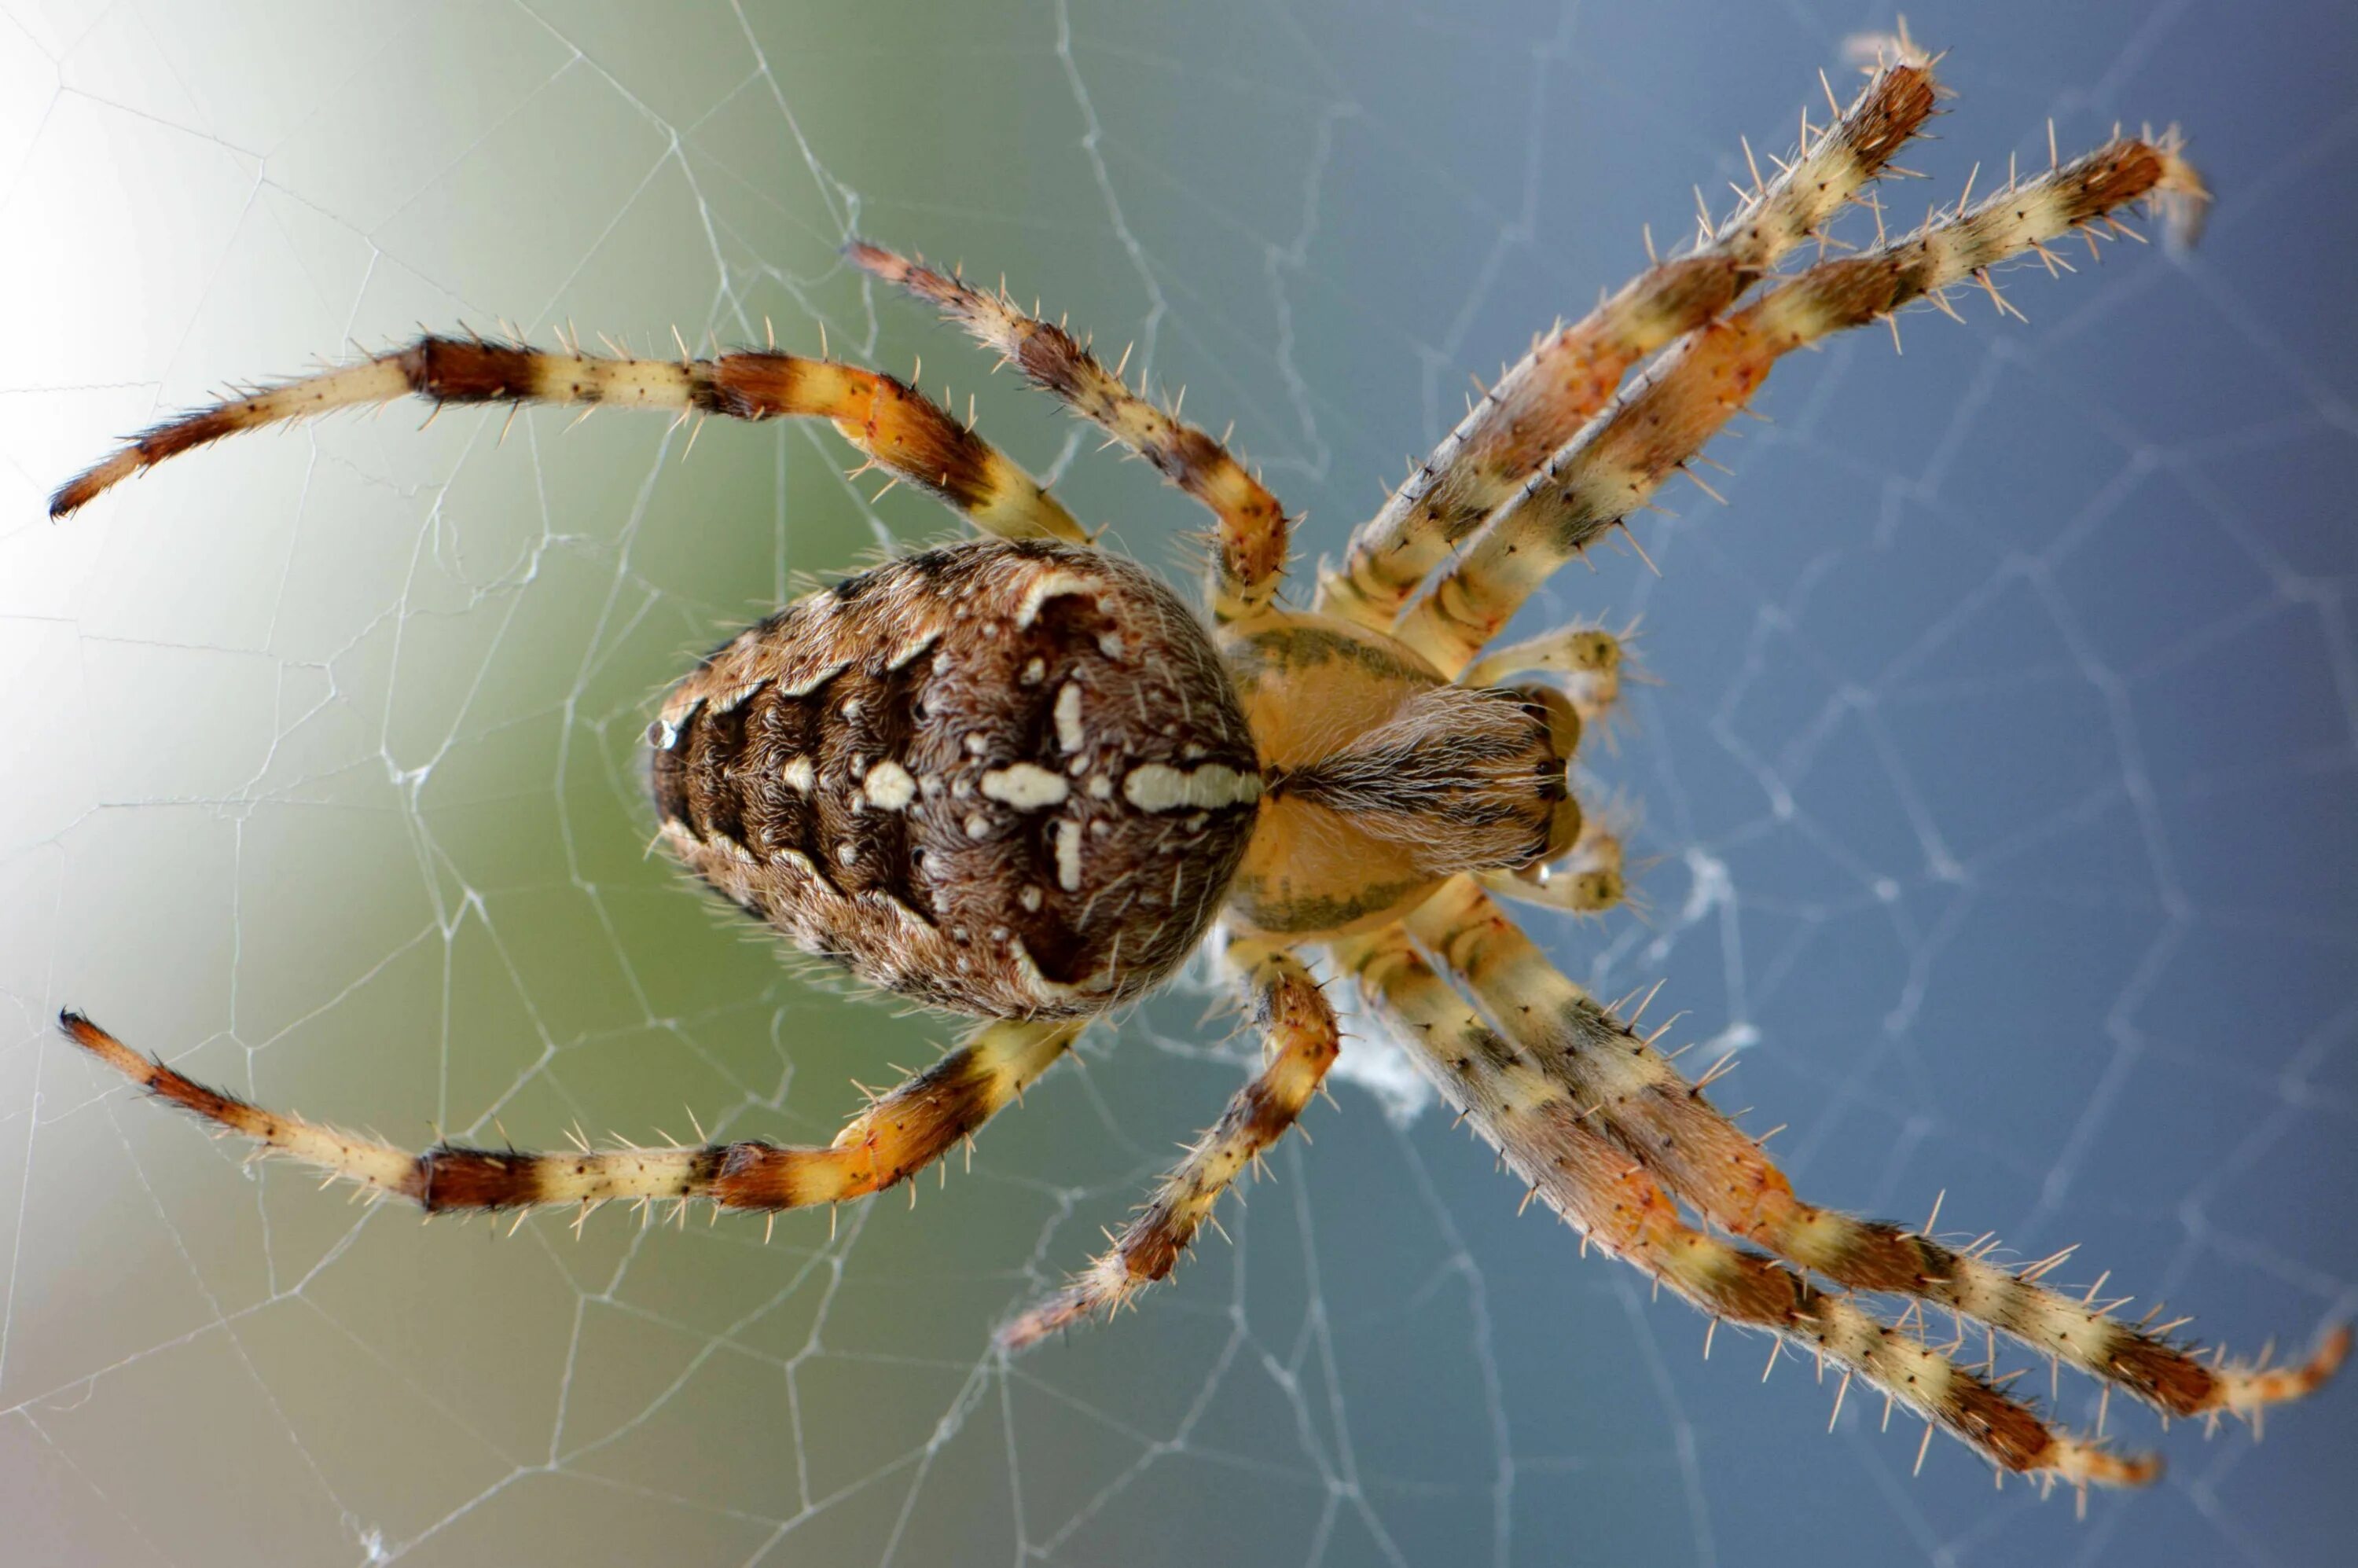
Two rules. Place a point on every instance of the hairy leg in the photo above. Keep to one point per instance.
(898, 428)
(1303, 1042)
(1539, 1129)
(1252, 525)
(897, 1136)
(1664, 419)
(1569, 373)
(1645, 1105)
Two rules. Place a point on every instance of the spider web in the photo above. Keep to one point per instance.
(1996, 795)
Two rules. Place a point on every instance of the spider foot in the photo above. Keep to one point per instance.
(1097, 1293)
(2081, 1463)
(2248, 1391)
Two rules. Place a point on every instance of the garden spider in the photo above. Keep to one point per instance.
(1016, 778)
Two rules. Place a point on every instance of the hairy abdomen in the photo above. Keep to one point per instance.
(1008, 779)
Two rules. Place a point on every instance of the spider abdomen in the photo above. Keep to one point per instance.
(1011, 779)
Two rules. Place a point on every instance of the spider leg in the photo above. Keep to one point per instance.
(1663, 420)
(1252, 524)
(1303, 1040)
(1620, 1205)
(1569, 373)
(899, 1134)
(1649, 1110)
(897, 427)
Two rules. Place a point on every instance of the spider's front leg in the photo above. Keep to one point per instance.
(1639, 1101)
(1302, 1040)
(1552, 1141)
(1543, 401)
(1661, 422)
(900, 1134)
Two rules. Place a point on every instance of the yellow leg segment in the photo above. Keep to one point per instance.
(900, 1134)
(1588, 660)
(898, 428)
(1617, 1204)
(1639, 1099)
(1569, 373)
(1250, 552)
(1303, 1042)
(1664, 419)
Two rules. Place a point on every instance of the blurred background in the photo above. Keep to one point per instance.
(1996, 800)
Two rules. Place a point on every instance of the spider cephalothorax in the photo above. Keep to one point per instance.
(1018, 779)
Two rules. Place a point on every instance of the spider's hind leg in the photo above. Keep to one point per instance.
(1303, 1040)
(1253, 526)
(898, 428)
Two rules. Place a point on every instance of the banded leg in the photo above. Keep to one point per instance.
(897, 1136)
(1640, 1101)
(1252, 525)
(1540, 1130)
(1568, 374)
(897, 427)
(1663, 419)
(1302, 1040)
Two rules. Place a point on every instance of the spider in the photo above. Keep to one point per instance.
(1017, 778)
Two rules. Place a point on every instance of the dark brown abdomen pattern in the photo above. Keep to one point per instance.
(1008, 779)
